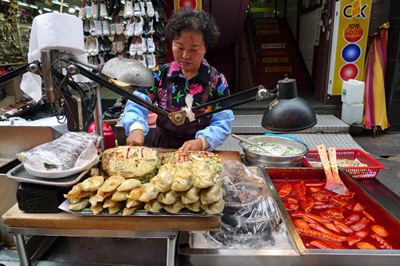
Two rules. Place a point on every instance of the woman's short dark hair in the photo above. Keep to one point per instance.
(193, 20)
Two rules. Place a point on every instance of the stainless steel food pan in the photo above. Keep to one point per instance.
(266, 160)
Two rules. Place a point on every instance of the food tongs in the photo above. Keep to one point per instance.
(333, 181)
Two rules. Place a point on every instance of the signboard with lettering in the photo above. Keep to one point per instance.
(349, 43)
(273, 45)
(267, 32)
(275, 59)
(279, 69)
(274, 53)
(356, 8)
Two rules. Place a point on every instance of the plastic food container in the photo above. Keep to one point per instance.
(370, 171)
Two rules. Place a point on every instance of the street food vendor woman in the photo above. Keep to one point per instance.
(192, 32)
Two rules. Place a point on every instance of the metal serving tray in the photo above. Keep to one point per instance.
(300, 255)
(19, 174)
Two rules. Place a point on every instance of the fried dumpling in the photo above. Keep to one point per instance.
(129, 184)
(76, 193)
(168, 197)
(119, 206)
(170, 168)
(195, 206)
(92, 183)
(154, 206)
(175, 207)
(94, 200)
(204, 179)
(109, 203)
(132, 203)
(211, 194)
(183, 180)
(102, 195)
(83, 203)
(136, 193)
(214, 208)
(185, 165)
(200, 167)
(120, 195)
(128, 211)
(149, 193)
(163, 181)
(112, 183)
(191, 195)
(97, 208)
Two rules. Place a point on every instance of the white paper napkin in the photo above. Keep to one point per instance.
(53, 31)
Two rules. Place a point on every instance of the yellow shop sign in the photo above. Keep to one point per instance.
(349, 41)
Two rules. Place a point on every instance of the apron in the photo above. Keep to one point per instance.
(169, 135)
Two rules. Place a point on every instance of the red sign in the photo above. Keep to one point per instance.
(353, 32)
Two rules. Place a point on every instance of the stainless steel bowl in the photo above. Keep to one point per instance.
(254, 158)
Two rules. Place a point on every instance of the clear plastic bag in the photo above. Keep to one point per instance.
(71, 150)
(249, 216)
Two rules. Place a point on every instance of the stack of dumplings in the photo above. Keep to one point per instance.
(187, 185)
(115, 194)
(191, 185)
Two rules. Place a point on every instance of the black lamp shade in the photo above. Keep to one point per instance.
(288, 112)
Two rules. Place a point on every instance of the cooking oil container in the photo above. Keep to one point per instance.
(353, 91)
(352, 113)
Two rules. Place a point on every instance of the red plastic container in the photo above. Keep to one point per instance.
(108, 133)
(370, 171)
(109, 138)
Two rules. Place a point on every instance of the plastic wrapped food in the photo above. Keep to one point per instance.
(69, 151)
(249, 215)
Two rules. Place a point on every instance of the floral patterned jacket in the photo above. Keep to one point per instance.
(220, 123)
(181, 86)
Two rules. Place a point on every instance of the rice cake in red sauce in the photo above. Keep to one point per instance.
(376, 236)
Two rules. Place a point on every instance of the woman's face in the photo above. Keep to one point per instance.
(189, 50)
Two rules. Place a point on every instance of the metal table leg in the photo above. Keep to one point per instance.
(171, 245)
(21, 248)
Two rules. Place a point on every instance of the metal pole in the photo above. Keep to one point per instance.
(171, 245)
(21, 248)
(46, 58)
(98, 119)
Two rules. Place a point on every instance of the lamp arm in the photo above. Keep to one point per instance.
(262, 93)
(225, 98)
(15, 73)
(122, 92)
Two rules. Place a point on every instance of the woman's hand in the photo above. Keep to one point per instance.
(193, 145)
(135, 138)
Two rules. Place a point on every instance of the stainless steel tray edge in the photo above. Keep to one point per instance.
(19, 174)
(292, 232)
(348, 252)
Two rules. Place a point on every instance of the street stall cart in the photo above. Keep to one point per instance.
(289, 247)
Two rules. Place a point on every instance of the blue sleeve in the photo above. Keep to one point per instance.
(219, 129)
(134, 112)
